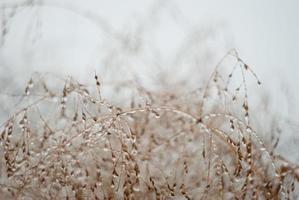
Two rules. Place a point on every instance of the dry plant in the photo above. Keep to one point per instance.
(73, 143)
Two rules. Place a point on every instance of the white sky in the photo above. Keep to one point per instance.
(265, 33)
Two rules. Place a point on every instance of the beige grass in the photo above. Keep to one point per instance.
(73, 143)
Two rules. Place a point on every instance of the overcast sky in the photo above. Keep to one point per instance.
(54, 38)
(62, 37)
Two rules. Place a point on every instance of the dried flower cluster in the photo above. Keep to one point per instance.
(72, 143)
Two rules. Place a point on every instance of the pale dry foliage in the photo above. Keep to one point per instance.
(72, 143)
(69, 141)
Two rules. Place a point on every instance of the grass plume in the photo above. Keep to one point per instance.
(71, 142)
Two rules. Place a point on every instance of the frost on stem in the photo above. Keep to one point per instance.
(82, 147)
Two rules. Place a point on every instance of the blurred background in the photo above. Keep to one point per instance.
(159, 44)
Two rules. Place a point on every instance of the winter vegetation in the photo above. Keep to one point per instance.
(184, 133)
